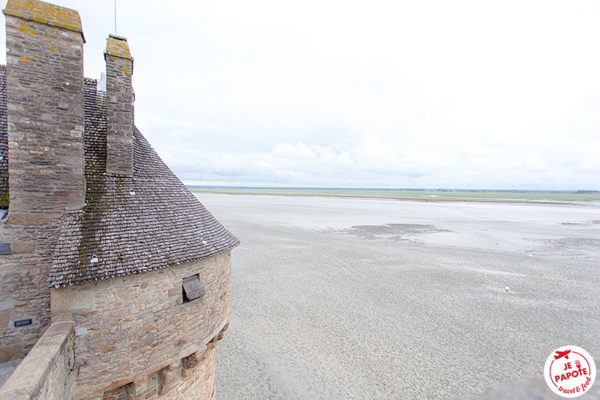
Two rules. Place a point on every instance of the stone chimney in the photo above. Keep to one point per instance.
(119, 107)
(44, 45)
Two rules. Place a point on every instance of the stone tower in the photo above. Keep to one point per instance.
(104, 252)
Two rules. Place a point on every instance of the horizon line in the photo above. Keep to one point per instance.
(591, 191)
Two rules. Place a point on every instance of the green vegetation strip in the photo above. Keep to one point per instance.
(422, 195)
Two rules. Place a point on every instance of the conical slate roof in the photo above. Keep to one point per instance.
(131, 225)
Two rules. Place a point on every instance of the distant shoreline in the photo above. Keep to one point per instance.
(451, 195)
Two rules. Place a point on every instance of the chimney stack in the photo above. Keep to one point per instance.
(119, 107)
(44, 109)
(44, 46)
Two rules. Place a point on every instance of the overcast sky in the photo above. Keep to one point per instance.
(469, 94)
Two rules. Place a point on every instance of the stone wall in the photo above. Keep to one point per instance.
(48, 370)
(24, 281)
(136, 334)
(190, 378)
(44, 91)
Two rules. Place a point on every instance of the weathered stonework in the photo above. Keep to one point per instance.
(186, 382)
(132, 328)
(45, 111)
(24, 282)
(119, 107)
(44, 95)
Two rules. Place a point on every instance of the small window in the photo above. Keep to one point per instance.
(192, 288)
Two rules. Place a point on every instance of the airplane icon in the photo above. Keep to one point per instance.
(561, 354)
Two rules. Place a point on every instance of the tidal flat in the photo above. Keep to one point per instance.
(350, 298)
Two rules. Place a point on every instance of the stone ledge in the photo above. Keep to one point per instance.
(30, 376)
(117, 46)
(44, 13)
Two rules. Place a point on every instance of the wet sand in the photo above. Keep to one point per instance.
(378, 299)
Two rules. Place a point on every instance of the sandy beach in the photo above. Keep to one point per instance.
(383, 299)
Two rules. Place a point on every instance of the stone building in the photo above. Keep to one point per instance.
(114, 279)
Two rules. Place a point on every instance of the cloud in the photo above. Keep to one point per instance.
(374, 162)
(343, 93)
(299, 150)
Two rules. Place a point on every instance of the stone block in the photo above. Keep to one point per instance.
(22, 247)
(169, 376)
(27, 218)
(68, 301)
(191, 361)
(8, 353)
(4, 318)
